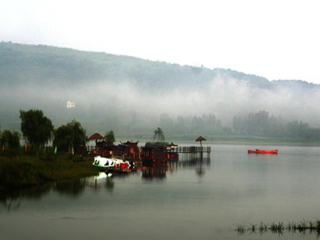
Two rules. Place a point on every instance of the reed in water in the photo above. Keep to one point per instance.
(280, 228)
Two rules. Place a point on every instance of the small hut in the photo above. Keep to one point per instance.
(172, 152)
(96, 137)
(200, 139)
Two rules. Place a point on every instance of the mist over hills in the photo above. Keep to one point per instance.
(133, 95)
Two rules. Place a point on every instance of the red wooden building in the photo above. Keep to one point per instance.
(130, 150)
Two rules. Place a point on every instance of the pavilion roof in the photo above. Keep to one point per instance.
(200, 138)
(95, 136)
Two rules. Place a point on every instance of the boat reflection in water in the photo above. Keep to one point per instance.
(101, 181)
(104, 180)
(154, 169)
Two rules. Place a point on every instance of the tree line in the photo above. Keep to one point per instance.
(253, 124)
(261, 124)
(38, 130)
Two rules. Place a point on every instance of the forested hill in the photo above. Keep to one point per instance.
(44, 65)
(132, 95)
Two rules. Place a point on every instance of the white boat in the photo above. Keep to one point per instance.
(109, 163)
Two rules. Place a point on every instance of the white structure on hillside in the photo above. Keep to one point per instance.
(70, 104)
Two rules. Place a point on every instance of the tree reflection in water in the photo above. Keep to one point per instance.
(12, 200)
(72, 189)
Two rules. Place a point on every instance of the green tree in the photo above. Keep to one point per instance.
(158, 134)
(109, 137)
(11, 140)
(36, 128)
(79, 134)
(70, 135)
(63, 138)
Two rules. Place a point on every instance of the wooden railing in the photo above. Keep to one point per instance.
(192, 149)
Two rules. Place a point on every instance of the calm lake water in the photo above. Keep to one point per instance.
(191, 199)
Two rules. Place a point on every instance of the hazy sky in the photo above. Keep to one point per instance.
(273, 39)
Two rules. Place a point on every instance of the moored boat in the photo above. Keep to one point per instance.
(251, 151)
(266, 151)
(259, 151)
(102, 162)
(108, 163)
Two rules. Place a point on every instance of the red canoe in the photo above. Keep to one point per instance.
(251, 151)
(259, 151)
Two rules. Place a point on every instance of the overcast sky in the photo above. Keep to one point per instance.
(273, 39)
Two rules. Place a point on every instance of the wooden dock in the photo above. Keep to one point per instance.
(192, 150)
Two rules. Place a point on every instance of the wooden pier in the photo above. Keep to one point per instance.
(193, 150)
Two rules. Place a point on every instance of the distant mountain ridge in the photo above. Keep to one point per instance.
(129, 94)
(45, 65)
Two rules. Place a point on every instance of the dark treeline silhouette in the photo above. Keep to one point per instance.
(253, 124)
(261, 124)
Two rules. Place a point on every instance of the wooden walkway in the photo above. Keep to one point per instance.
(189, 149)
(192, 149)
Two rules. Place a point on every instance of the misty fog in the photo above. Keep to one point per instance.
(108, 102)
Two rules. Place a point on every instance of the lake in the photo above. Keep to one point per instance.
(189, 199)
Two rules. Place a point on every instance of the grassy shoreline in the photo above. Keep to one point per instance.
(27, 171)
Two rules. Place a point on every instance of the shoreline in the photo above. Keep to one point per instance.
(29, 171)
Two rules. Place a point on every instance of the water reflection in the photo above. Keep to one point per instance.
(11, 201)
(71, 188)
(102, 181)
(186, 199)
(199, 163)
(156, 171)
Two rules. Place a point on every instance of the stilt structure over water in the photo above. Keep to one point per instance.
(130, 150)
(193, 150)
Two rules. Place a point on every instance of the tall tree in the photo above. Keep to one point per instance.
(36, 128)
(11, 140)
(63, 138)
(79, 134)
(70, 135)
(109, 137)
(158, 134)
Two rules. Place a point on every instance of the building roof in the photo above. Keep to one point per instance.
(95, 136)
(200, 138)
(130, 141)
(172, 145)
